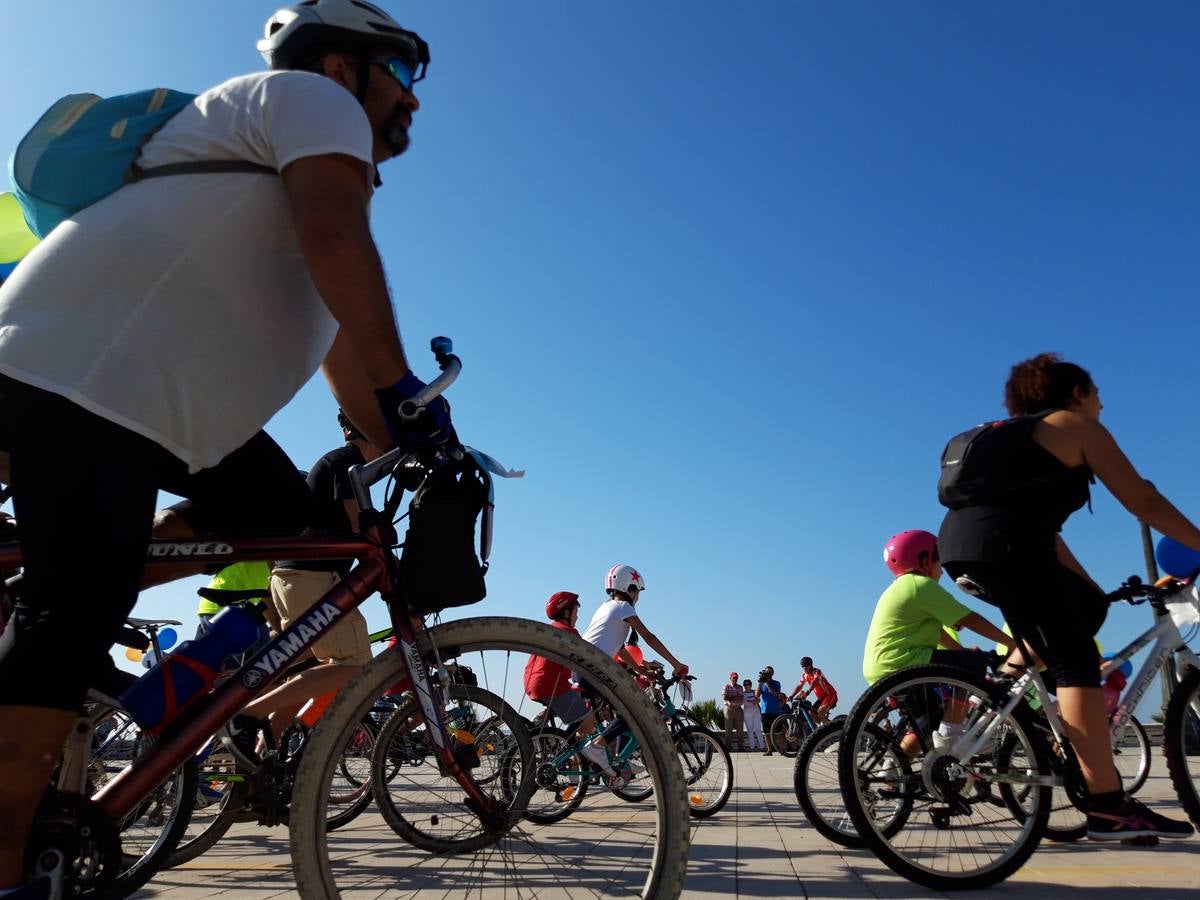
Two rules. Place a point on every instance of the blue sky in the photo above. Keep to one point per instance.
(725, 277)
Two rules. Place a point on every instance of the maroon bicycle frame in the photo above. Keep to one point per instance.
(188, 732)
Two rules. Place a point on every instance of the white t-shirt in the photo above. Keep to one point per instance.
(608, 628)
(181, 307)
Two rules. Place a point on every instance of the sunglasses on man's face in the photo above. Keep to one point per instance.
(397, 68)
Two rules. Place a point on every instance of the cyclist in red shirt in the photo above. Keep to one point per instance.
(813, 680)
(550, 683)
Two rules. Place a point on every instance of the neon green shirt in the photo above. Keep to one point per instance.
(908, 620)
(243, 576)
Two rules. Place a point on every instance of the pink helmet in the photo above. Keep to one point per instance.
(902, 553)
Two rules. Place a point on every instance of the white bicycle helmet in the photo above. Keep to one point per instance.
(341, 24)
(621, 577)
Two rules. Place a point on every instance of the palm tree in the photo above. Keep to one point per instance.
(710, 712)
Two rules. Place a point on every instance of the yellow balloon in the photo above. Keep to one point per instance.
(15, 237)
(133, 655)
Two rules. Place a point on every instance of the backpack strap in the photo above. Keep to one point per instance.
(201, 167)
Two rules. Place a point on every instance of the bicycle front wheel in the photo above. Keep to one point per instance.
(1131, 753)
(815, 780)
(963, 831)
(515, 855)
(707, 771)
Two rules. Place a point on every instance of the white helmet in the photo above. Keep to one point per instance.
(622, 577)
(338, 24)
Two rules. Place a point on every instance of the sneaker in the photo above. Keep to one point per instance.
(621, 779)
(1133, 819)
(599, 756)
(766, 753)
(241, 737)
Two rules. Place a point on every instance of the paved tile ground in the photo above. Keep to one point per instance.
(759, 845)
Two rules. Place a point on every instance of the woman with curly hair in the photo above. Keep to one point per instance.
(1010, 546)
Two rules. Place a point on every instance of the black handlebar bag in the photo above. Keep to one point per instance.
(439, 565)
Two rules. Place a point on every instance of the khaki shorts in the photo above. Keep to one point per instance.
(293, 593)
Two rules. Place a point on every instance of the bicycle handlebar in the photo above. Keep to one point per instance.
(450, 365)
(364, 476)
(665, 683)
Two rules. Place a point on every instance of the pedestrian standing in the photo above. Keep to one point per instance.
(770, 701)
(752, 716)
(734, 731)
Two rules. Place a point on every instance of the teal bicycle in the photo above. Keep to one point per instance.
(563, 775)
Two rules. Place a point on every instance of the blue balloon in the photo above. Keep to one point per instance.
(167, 638)
(6, 269)
(1176, 559)
(1126, 668)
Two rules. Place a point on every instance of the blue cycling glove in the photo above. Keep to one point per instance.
(431, 428)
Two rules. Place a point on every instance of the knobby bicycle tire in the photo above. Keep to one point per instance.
(914, 861)
(1179, 738)
(666, 842)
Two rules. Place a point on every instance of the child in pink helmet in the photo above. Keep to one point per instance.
(907, 626)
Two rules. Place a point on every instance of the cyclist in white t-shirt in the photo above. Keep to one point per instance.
(151, 336)
(612, 622)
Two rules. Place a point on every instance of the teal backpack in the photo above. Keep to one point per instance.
(84, 147)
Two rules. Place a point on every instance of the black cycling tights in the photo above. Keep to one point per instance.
(1056, 610)
(84, 493)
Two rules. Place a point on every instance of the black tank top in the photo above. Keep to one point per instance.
(1026, 521)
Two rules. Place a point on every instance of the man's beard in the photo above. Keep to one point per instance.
(394, 131)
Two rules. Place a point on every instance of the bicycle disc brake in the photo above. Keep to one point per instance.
(74, 841)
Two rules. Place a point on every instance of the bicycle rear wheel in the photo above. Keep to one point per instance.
(519, 856)
(787, 734)
(150, 833)
(963, 831)
(560, 787)
(1181, 743)
(350, 790)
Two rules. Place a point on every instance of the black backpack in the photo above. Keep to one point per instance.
(977, 464)
(439, 567)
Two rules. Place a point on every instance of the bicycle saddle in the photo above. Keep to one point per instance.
(229, 598)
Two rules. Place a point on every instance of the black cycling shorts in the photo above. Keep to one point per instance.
(1056, 610)
(84, 491)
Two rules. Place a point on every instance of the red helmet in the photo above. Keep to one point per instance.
(902, 553)
(559, 603)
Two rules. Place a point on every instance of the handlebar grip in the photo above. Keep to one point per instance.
(450, 365)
